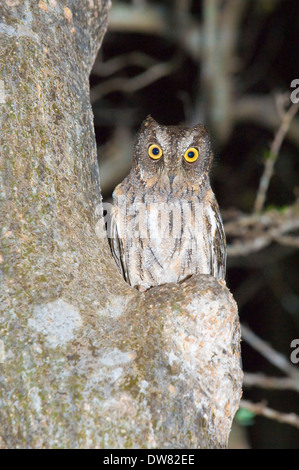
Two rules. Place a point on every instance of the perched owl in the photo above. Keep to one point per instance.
(165, 223)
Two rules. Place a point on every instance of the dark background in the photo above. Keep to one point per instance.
(127, 84)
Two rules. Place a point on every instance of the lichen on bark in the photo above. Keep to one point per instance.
(89, 361)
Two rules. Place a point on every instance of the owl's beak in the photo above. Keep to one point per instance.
(172, 174)
(171, 178)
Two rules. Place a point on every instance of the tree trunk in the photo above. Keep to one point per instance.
(87, 361)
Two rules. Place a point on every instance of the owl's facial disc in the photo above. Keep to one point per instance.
(172, 155)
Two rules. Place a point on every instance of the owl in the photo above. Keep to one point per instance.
(165, 221)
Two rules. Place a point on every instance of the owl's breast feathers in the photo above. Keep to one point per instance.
(159, 237)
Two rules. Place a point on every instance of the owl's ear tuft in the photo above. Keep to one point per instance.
(149, 121)
(202, 132)
(201, 128)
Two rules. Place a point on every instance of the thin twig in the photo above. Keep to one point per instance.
(261, 110)
(288, 241)
(275, 383)
(251, 233)
(263, 410)
(274, 357)
(111, 66)
(154, 20)
(130, 85)
(273, 155)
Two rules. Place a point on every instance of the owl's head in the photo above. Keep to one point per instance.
(172, 155)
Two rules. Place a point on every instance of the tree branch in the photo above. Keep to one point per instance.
(251, 233)
(263, 410)
(130, 85)
(275, 383)
(269, 353)
(286, 119)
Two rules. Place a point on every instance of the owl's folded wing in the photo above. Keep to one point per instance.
(116, 245)
(217, 240)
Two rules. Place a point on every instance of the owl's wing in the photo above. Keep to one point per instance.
(116, 245)
(217, 240)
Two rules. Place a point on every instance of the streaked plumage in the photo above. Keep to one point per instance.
(166, 223)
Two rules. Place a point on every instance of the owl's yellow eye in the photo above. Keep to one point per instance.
(191, 155)
(155, 151)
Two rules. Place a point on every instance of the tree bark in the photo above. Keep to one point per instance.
(87, 361)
